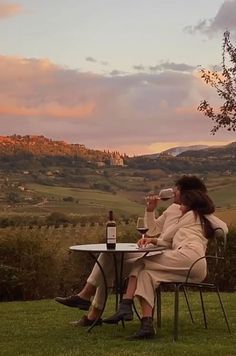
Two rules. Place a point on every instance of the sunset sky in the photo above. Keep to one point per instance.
(111, 74)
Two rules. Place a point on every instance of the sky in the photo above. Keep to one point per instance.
(112, 74)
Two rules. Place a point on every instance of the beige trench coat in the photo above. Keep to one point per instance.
(186, 243)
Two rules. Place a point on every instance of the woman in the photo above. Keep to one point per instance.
(186, 241)
(95, 285)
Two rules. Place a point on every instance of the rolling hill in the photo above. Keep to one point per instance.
(28, 152)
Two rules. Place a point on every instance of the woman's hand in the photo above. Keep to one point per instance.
(152, 202)
(142, 243)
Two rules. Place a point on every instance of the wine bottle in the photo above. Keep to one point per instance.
(111, 232)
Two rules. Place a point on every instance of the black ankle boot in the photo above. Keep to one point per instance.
(146, 330)
(124, 312)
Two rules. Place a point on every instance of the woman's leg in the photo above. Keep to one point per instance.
(146, 330)
(95, 310)
(147, 309)
(146, 286)
(131, 287)
(95, 280)
(95, 284)
(95, 287)
(125, 311)
(87, 292)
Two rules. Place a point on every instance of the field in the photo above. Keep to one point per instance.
(42, 328)
(126, 198)
(86, 201)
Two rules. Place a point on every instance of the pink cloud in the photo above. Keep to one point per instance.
(37, 88)
(52, 110)
(8, 10)
(138, 110)
(185, 110)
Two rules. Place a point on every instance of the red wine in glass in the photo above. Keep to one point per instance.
(166, 194)
(142, 230)
(141, 226)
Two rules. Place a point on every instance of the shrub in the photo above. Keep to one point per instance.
(37, 263)
(68, 199)
(228, 274)
(28, 266)
(57, 218)
(13, 197)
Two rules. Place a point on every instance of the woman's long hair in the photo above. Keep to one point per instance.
(202, 205)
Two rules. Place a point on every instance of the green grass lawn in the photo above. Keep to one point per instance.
(43, 328)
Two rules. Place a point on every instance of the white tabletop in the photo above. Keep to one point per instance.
(120, 247)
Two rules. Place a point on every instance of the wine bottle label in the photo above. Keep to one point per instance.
(111, 234)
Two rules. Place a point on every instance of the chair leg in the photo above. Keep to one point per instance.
(176, 313)
(223, 310)
(117, 282)
(203, 308)
(136, 311)
(188, 305)
(158, 303)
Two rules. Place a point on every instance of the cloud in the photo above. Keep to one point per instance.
(179, 67)
(35, 81)
(166, 66)
(202, 26)
(8, 10)
(116, 72)
(91, 59)
(225, 19)
(106, 112)
(48, 110)
(139, 67)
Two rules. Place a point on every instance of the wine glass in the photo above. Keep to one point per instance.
(166, 194)
(141, 226)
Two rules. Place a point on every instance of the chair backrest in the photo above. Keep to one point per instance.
(217, 245)
(215, 255)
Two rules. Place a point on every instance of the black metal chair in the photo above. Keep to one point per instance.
(215, 255)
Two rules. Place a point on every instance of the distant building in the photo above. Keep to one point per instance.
(49, 174)
(165, 156)
(227, 173)
(21, 188)
(100, 164)
(116, 159)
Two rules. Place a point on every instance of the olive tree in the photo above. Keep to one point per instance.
(225, 84)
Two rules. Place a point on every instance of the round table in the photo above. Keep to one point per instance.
(121, 248)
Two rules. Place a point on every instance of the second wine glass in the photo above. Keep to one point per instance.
(141, 226)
